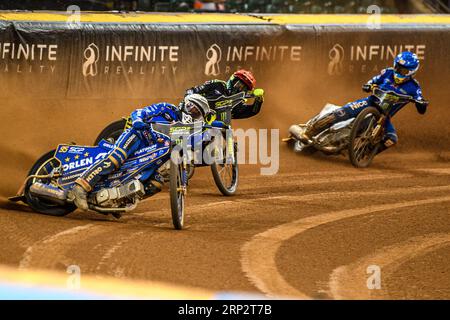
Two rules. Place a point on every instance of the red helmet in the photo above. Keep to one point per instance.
(245, 76)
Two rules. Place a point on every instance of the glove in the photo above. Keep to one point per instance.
(422, 105)
(210, 116)
(140, 125)
(367, 87)
(258, 93)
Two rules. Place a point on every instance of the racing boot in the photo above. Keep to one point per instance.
(386, 144)
(86, 182)
(316, 127)
(80, 197)
(154, 185)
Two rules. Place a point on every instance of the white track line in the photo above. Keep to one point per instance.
(27, 256)
(350, 281)
(330, 177)
(342, 178)
(111, 251)
(258, 255)
(439, 171)
(301, 182)
(320, 196)
(349, 171)
(312, 174)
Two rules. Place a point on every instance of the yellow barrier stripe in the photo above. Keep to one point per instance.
(183, 18)
(132, 17)
(105, 286)
(358, 19)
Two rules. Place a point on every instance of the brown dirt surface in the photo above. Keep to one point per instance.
(304, 231)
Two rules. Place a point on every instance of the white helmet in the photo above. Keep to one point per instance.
(196, 106)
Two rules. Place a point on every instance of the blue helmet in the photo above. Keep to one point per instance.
(406, 65)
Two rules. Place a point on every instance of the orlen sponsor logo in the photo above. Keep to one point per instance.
(367, 58)
(246, 56)
(78, 164)
(127, 59)
(17, 57)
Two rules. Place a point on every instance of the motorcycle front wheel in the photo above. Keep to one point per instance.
(177, 189)
(361, 149)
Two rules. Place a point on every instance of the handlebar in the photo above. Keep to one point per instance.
(205, 126)
(402, 96)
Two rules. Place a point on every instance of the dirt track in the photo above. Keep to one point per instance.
(310, 231)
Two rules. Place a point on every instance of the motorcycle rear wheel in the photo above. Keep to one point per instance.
(112, 131)
(41, 167)
(361, 150)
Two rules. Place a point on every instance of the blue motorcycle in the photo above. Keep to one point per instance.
(226, 176)
(47, 188)
(360, 138)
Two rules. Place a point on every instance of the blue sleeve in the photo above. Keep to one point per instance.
(141, 115)
(378, 79)
(219, 124)
(159, 109)
(417, 92)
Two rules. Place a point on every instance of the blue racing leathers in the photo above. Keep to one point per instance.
(386, 82)
(140, 135)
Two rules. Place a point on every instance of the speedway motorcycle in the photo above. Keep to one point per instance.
(226, 176)
(359, 137)
(47, 188)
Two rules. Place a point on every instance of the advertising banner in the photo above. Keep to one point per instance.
(34, 59)
(137, 60)
(359, 53)
(158, 60)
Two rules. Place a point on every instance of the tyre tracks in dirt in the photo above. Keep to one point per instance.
(214, 252)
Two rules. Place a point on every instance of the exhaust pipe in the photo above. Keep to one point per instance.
(48, 192)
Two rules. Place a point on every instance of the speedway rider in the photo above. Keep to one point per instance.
(240, 81)
(399, 79)
(195, 108)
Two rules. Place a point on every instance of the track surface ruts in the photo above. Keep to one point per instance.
(311, 232)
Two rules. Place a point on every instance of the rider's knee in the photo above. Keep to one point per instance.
(325, 121)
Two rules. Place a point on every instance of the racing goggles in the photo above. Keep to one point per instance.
(193, 111)
(239, 86)
(402, 71)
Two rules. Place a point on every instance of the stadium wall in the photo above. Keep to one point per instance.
(137, 60)
(64, 79)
